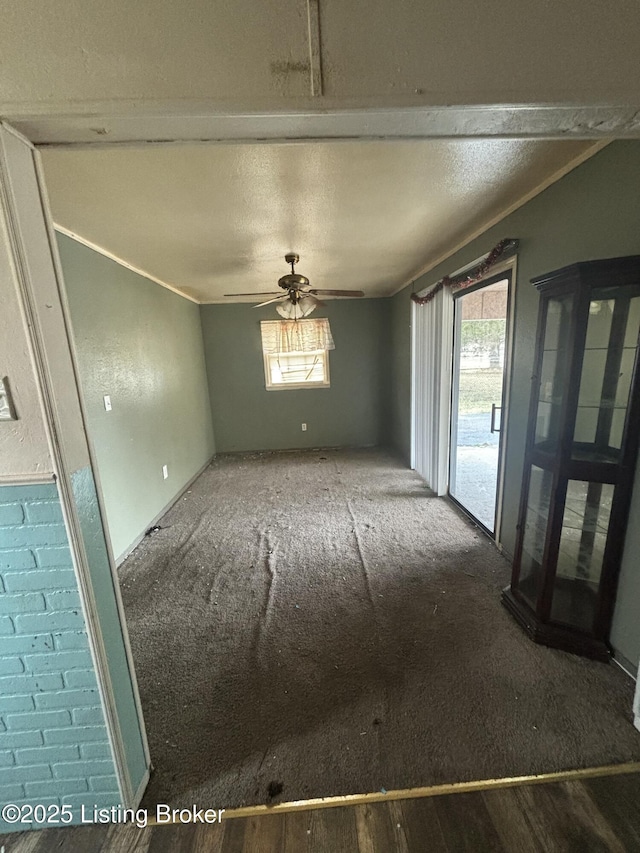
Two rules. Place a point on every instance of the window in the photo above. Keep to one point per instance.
(296, 353)
(297, 369)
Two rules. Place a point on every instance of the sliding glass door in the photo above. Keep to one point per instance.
(477, 402)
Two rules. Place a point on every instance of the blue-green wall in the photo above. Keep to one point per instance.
(352, 412)
(593, 212)
(142, 345)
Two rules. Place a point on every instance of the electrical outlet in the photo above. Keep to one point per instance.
(304, 427)
(165, 471)
(107, 403)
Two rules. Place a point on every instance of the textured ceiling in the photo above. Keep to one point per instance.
(216, 219)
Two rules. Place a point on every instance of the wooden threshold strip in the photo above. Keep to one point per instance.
(430, 791)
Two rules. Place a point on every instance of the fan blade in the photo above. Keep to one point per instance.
(269, 301)
(319, 302)
(270, 293)
(337, 292)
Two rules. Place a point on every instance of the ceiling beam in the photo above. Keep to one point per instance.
(172, 123)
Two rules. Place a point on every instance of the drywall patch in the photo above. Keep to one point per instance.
(289, 66)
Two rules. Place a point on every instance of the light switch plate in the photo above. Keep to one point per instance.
(7, 410)
(165, 471)
(107, 403)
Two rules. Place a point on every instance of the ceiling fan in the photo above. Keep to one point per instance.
(299, 299)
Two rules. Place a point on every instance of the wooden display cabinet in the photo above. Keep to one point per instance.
(582, 446)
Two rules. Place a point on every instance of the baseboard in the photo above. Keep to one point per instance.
(131, 548)
(625, 665)
(310, 449)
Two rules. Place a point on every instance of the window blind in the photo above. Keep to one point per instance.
(296, 368)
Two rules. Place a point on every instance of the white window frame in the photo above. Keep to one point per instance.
(296, 386)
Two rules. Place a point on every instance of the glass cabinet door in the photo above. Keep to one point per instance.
(607, 372)
(535, 533)
(554, 372)
(585, 525)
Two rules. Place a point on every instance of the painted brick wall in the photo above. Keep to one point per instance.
(53, 739)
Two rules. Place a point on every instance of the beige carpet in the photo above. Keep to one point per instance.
(318, 623)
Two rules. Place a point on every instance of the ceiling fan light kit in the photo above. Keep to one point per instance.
(298, 310)
(299, 299)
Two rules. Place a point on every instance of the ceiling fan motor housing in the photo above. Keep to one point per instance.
(293, 280)
(297, 288)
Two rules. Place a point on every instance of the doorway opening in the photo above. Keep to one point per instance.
(478, 398)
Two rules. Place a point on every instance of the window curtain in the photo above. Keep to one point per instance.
(282, 336)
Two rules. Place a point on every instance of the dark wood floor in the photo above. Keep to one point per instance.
(599, 814)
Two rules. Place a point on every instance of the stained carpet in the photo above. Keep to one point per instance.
(318, 623)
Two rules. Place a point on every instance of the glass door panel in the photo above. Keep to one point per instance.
(585, 525)
(477, 399)
(535, 533)
(553, 373)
